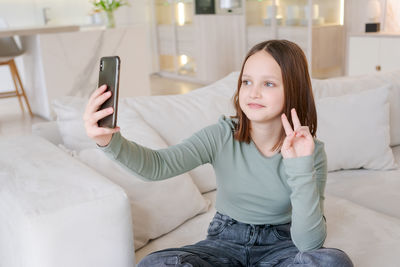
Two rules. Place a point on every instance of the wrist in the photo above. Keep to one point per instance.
(104, 141)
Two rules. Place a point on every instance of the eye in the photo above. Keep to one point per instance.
(269, 84)
(246, 82)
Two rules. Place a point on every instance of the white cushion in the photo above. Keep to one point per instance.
(353, 84)
(176, 117)
(157, 207)
(370, 238)
(377, 190)
(69, 111)
(355, 130)
(55, 211)
(190, 232)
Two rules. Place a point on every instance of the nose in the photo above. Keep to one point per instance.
(255, 92)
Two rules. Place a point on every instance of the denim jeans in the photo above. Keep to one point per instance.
(232, 243)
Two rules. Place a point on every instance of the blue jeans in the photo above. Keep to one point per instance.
(232, 243)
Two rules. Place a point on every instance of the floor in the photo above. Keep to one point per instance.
(14, 122)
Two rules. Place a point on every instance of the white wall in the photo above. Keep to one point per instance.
(356, 15)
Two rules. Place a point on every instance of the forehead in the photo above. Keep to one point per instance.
(262, 64)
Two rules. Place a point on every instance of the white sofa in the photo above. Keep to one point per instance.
(358, 121)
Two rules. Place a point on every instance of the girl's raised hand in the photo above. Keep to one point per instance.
(298, 142)
(102, 136)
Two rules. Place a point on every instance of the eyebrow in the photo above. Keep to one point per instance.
(264, 76)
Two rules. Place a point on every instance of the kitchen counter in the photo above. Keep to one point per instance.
(24, 31)
(64, 61)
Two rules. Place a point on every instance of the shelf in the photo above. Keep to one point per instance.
(292, 12)
(185, 40)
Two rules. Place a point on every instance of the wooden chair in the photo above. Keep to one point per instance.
(8, 51)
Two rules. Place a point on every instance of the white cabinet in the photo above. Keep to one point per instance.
(372, 53)
(315, 25)
(390, 55)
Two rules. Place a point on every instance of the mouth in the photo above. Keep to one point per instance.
(255, 106)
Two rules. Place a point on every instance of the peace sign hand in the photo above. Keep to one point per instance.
(297, 143)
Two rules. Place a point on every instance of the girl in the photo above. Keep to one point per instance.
(271, 170)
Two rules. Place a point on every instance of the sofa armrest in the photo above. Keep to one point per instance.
(55, 211)
(48, 130)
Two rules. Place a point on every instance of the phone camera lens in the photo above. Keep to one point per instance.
(101, 65)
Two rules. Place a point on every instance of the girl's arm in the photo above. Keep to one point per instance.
(307, 178)
(151, 164)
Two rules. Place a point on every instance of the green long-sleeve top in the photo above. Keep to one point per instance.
(251, 188)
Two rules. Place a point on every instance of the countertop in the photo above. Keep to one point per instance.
(44, 29)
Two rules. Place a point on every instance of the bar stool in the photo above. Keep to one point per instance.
(8, 51)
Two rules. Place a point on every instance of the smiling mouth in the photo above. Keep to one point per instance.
(255, 106)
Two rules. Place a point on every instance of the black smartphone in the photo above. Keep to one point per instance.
(109, 75)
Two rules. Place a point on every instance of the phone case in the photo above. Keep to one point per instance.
(109, 74)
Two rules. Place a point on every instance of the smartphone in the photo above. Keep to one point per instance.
(109, 75)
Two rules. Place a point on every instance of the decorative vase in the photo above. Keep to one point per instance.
(110, 19)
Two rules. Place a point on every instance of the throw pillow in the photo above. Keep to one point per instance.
(355, 130)
(354, 84)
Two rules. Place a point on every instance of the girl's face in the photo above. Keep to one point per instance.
(261, 95)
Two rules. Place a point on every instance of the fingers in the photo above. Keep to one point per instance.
(101, 114)
(286, 125)
(303, 131)
(98, 101)
(295, 119)
(103, 131)
(96, 132)
(98, 92)
(289, 140)
(287, 146)
(92, 113)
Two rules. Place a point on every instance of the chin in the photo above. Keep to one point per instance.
(261, 117)
(257, 117)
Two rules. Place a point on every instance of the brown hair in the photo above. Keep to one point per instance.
(296, 85)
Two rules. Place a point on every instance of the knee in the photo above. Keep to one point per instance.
(337, 257)
(159, 259)
(326, 257)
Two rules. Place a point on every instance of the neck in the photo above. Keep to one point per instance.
(266, 135)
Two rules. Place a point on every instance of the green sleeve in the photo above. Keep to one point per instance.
(150, 164)
(307, 178)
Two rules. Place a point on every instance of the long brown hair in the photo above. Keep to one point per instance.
(296, 85)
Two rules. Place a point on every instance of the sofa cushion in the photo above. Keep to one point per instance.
(54, 208)
(368, 237)
(176, 117)
(355, 130)
(378, 190)
(353, 84)
(157, 207)
(188, 233)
